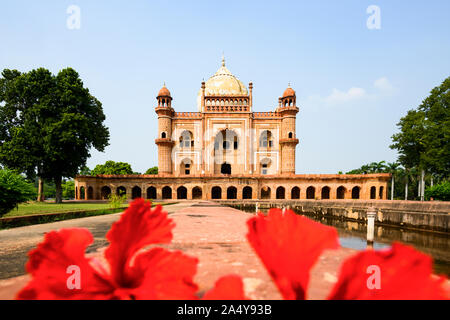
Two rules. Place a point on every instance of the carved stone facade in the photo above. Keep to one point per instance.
(227, 151)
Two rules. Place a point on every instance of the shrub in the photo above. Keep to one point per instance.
(116, 201)
(439, 191)
(14, 189)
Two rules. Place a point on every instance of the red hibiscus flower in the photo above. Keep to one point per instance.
(132, 273)
(289, 245)
(399, 273)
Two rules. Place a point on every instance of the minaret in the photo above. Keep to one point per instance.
(164, 140)
(288, 141)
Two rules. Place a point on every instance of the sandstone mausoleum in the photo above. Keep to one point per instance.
(227, 151)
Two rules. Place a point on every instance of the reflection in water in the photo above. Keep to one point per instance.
(353, 235)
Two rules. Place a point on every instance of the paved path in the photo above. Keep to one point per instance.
(214, 234)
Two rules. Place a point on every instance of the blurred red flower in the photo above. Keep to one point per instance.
(289, 244)
(132, 272)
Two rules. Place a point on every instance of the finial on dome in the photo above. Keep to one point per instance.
(223, 59)
(164, 84)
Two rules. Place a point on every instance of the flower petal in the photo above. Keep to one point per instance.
(289, 244)
(401, 272)
(164, 275)
(138, 227)
(228, 287)
(54, 263)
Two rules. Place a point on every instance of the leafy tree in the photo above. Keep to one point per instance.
(152, 170)
(111, 167)
(49, 124)
(68, 189)
(439, 191)
(85, 171)
(14, 189)
(423, 140)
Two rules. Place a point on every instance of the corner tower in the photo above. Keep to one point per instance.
(164, 141)
(287, 107)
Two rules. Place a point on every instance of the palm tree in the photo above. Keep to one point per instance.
(392, 167)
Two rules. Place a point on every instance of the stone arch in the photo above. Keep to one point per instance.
(290, 135)
(82, 193)
(265, 192)
(311, 192)
(373, 192)
(186, 139)
(216, 192)
(356, 192)
(197, 193)
(265, 165)
(136, 192)
(90, 193)
(266, 139)
(231, 193)
(186, 166)
(167, 192)
(121, 191)
(247, 192)
(163, 135)
(151, 193)
(225, 168)
(181, 193)
(325, 193)
(340, 192)
(295, 193)
(105, 192)
(381, 191)
(281, 193)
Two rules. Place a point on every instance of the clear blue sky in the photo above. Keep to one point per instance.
(353, 84)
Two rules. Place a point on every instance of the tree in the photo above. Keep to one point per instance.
(14, 189)
(68, 189)
(152, 170)
(423, 140)
(50, 124)
(392, 167)
(111, 167)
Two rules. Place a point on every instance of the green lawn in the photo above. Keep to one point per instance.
(47, 207)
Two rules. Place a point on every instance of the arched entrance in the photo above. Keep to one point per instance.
(340, 192)
(381, 192)
(225, 168)
(182, 193)
(216, 193)
(167, 192)
(151, 193)
(82, 193)
(295, 193)
(355, 192)
(90, 193)
(326, 193)
(265, 193)
(311, 193)
(121, 191)
(136, 192)
(197, 193)
(280, 193)
(105, 192)
(231, 193)
(247, 192)
(373, 192)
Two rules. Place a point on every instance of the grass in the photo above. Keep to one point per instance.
(31, 208)
(37, 213)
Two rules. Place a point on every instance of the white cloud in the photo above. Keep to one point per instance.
(383, 85)
(381, 88)
(338, 96)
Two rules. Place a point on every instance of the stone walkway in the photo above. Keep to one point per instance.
(214, 234)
